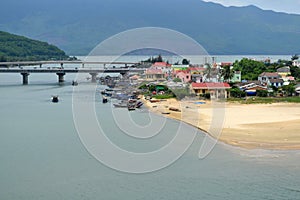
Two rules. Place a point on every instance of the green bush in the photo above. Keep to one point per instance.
(262, 93)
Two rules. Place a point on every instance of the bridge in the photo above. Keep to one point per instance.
(61, 71)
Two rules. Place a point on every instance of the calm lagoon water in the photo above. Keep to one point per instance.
(42, 156)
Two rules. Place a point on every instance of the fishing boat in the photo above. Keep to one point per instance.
(107, 92)
(55, 99)
(139, 104)
(131, 104)
(174, 109)
(104, 99)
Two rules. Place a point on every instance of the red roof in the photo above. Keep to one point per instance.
(161, 64)
(226, 63)
(210, 85)
(196, 68)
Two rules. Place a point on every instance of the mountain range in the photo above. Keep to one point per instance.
(77, 26)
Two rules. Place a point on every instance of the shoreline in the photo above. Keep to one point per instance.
(251, 126)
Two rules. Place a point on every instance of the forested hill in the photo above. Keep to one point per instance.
(19, 48)
(77, 26)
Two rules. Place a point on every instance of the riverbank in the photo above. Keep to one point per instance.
(265, 126)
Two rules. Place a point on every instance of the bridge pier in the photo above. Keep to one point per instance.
(25, 78)
(94, 76)
(61, 77)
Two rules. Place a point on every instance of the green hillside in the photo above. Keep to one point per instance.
(19, 48)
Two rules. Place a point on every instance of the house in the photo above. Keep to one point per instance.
(296, 63)
(197, 74)
(237, 77)
(216, 90)
(297, 89)
(251, 88)
(165, 67)
(284, 71)
(276, 82)
(155, 75)
(184, 76)
(270, 79)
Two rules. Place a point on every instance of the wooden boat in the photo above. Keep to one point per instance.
(139, 104)
(154, 100)
(165, 113)
(104, 99)
(131, 104)
(174, 109)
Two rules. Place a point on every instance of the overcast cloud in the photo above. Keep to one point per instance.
(288, 6)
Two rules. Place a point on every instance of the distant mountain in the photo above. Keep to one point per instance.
(19, 48)
(77, 26)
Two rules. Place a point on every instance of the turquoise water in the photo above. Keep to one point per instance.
(42, 156)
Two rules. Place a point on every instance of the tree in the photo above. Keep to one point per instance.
(208, 71)
(250, 69)
(289, 90)
(295, 57)
(227, 73)
(185, 61)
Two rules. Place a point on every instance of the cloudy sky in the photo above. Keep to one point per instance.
(288, 6)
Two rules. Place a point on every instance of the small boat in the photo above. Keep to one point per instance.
(74, 83)
(104, 99)
(107, 92)
(55, 99)
(165, 113)
(120, 105)
(139, 104)
(174, 109)
(154, 100)
(131, 104)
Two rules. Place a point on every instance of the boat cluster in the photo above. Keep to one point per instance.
(122, 99)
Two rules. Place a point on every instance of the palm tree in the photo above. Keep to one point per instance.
(295, 57)
(208, 71)
(227, 73)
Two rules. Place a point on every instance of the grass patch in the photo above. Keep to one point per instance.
(265, 100)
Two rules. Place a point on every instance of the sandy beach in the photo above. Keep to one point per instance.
(265, 126)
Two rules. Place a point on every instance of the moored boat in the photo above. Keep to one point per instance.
(139, 104)
(131, 104)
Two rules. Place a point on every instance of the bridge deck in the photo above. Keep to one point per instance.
(79, 70)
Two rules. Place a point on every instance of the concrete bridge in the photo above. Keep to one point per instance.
(61, 71)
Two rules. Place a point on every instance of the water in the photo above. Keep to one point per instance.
(42, 156)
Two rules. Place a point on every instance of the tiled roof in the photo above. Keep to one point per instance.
(284, 70)
(154, 71)
(200, 69)
(269, 74)
(210, 85)
(161, 64)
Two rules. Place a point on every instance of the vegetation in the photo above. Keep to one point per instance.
(227, 73)
(251, 69)
(177, 80)
(262, 93)
(154, 59)
(19, 48)
(265, 100)
(185, 61)
(237, 93)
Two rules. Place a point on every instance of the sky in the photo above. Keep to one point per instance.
(288, 6)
